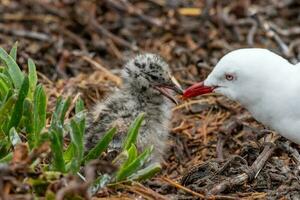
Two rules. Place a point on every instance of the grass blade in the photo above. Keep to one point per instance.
(146, 173)
(5, 109)
(57, 130)
(133, 131)
(5, 85)
(126, 157)
(77, 141)
(69, 153)
(80, 119)
(18, 109)
(101, 146)
(13, 69)
(64, 109)
(99, 183)
(79, 106)
(32, 75)
(29, 123)
(132, 154)
(3, 88)
(39, 112)
(124, 173)
(7, 158)
(61, 109)
(5, 145)
(13, 51)
(7, 80)
(57, 151)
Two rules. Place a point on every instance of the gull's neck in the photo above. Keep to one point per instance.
(276, 104)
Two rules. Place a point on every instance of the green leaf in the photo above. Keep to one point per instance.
(14, 137)
(5, 85)
(13, 69)
(3, 88)
(7, 96)
(79, 118)
(7, 80)
(64, 109)
(6, 158)
(32, 75)
(61, 109)
(39, 112)
(101, 146)
(99, 183)
(57, 151)
(13, 51)
(44, 137)
(5, 145)
(29, 123)
(146, 173)
(126, 157)
(132, 154)
(69, 153)
(79, 106)
(125, 172)
(133, 131)
(56, 134)
(55, 116)
(77, 141)
(6, 108)
(18, 109)
(57, 130)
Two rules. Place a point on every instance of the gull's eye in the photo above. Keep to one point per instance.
(229, 77)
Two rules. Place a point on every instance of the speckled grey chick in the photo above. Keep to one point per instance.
(145, 81)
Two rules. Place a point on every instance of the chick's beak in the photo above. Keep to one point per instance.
(173, 85)
(196, 90)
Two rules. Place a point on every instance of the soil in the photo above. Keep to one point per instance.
(79, 48)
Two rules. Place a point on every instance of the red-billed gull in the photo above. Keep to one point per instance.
(263, 82)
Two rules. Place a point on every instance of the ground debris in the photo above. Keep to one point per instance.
(80, 46)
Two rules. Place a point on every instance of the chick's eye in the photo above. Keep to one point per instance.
(229, 77)
(153, 77)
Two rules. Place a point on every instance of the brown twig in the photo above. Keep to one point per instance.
(76, 38)
(271, 33)
(252, 31)
(145, 192)
(26, 33)
(287, 147)
(177, 185)
(249, 175)
(220, 145)
(99, 28)
(131, 9)
(115, 78)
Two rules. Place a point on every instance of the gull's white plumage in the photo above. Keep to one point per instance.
(264, 83)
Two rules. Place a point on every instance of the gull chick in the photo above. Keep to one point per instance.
(146, 84)
(263, 82)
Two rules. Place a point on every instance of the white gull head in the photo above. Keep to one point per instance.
(263, 82)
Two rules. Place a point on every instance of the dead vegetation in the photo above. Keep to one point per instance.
(215, 145)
